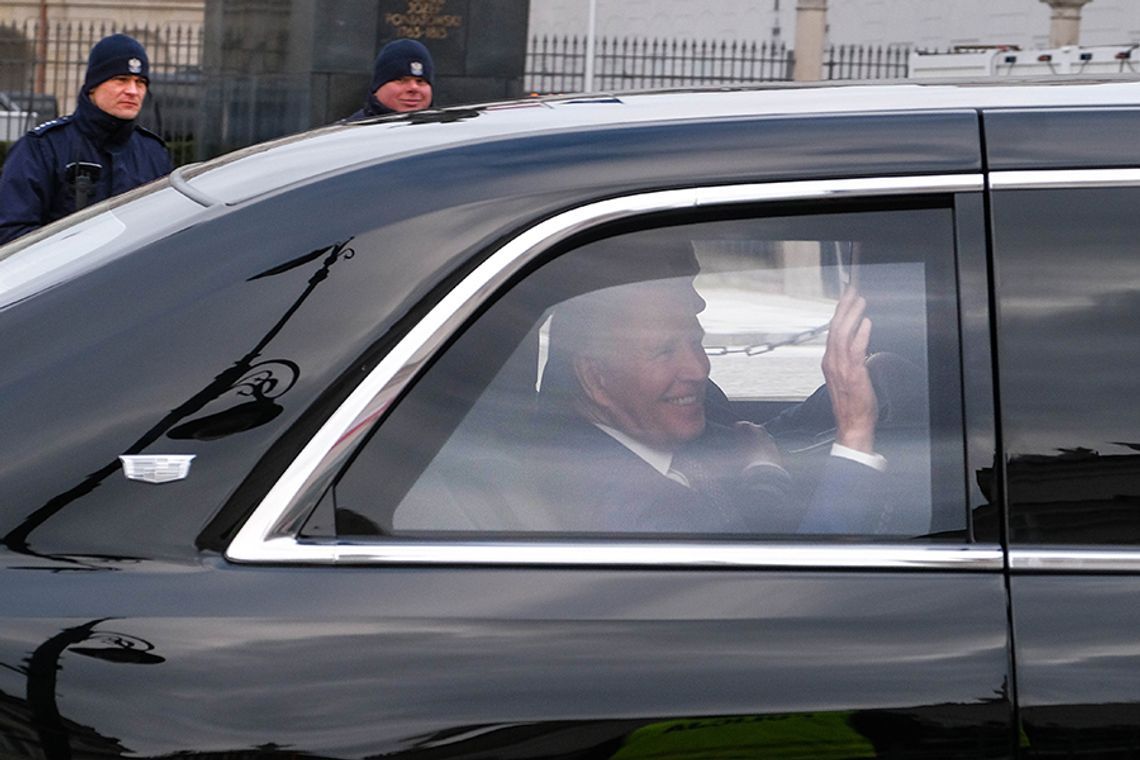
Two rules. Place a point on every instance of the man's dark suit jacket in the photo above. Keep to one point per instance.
(590, 482)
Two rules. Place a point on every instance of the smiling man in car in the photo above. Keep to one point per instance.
(92, 154)
(630, 443)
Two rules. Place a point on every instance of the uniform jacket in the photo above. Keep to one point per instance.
(372, 107)
(35, 186)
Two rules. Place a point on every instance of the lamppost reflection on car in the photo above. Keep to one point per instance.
(43, 667)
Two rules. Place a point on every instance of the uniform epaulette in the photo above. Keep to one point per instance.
(149, 133)
(47, 126)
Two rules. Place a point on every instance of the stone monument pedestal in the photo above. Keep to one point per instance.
(275, 67)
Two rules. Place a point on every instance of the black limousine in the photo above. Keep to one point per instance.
(778, 422)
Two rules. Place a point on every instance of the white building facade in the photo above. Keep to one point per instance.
(932, 24)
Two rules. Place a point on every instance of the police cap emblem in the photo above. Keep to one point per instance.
(134, 65)
(417, 68)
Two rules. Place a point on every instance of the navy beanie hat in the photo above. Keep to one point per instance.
(113, 56)
(399, 59)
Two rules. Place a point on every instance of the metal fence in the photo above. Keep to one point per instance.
(558, 64)
(42, 67)
(866, 62)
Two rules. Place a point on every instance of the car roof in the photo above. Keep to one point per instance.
(320, 152)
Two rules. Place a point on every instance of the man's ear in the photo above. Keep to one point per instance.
(592, 377)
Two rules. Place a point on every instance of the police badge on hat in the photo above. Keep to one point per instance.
(134, 66)
(417, 68)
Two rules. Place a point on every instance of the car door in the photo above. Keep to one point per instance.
(504, 611)
(1065, 234)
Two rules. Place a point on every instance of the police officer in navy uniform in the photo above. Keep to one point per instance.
(87, 156)
(401, 80)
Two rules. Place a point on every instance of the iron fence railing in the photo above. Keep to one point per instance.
(42, 67)
(866, 62)
(558, 64)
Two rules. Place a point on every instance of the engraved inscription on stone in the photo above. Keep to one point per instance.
(424, 19)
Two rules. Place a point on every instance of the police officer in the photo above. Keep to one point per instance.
(401, 80)
(92, 154)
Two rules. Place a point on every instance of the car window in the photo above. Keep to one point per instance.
(667, 381)
(1068, 351)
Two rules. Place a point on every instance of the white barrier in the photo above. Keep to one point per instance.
(13, 124)
(1008, 61)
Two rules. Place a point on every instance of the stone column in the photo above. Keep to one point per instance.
(811, 30)
(1065, 28)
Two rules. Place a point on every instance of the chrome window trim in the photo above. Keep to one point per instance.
(1084, 559)
(648, 553)
(1063, 178)
(269, 534)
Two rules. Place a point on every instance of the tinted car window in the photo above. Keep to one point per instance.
(494, 439)
(1069, 352)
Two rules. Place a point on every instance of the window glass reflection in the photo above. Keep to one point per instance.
(1069, 355)
(758, 377)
